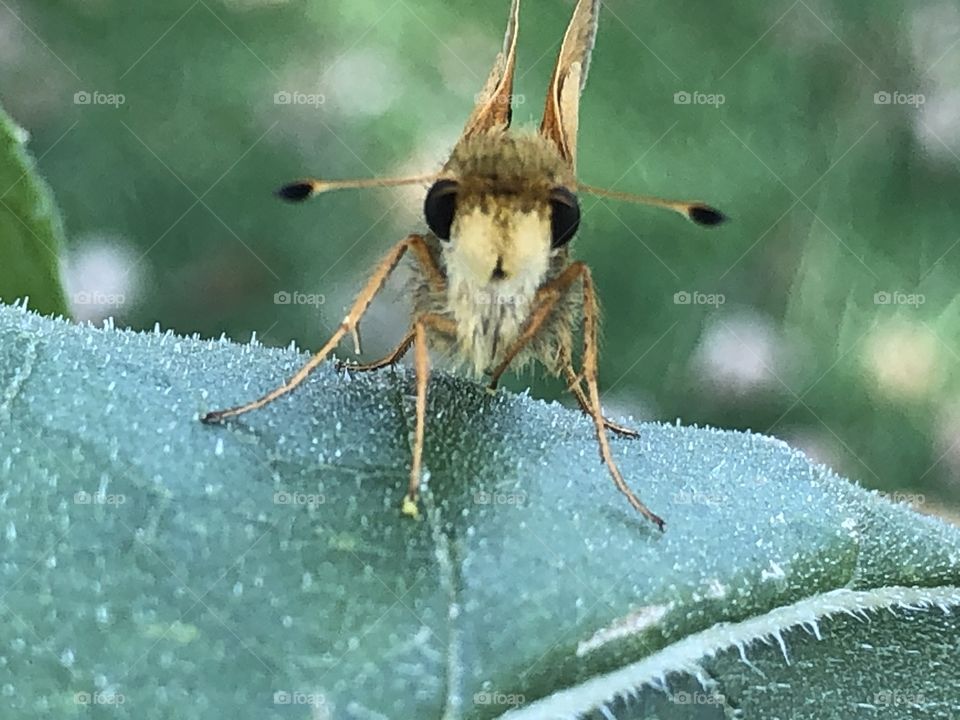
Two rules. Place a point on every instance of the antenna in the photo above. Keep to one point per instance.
(697, 212)
(309, 187)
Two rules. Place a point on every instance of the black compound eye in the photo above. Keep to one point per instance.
(440, 206)
(565, 216)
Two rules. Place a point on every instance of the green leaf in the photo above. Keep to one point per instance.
(30, 230)
(196, 572)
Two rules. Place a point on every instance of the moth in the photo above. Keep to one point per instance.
(495, 286)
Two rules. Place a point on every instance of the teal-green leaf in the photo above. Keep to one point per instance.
(31, 233)
(154, 567)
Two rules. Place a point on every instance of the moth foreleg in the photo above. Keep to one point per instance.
(348, 326)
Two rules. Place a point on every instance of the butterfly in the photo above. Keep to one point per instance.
(496, 286)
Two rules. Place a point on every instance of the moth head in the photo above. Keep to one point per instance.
(502, 229)
(503, 206)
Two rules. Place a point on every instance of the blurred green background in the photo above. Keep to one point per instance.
(824, 313)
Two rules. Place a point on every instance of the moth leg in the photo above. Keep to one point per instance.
(435, 276)
(546, 299)
(574, 385)
(392, 359)
(418, 245)
(441, 324)
(591, 314)
(421, 363)
(544, 302)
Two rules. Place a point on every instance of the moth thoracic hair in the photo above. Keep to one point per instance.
(494, 284)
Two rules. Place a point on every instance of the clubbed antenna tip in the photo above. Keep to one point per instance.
(296, 192)
(706, 215)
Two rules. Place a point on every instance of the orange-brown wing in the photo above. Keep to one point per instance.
(494, 108)
(561, 116)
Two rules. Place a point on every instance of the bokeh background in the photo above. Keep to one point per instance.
(825, 313)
